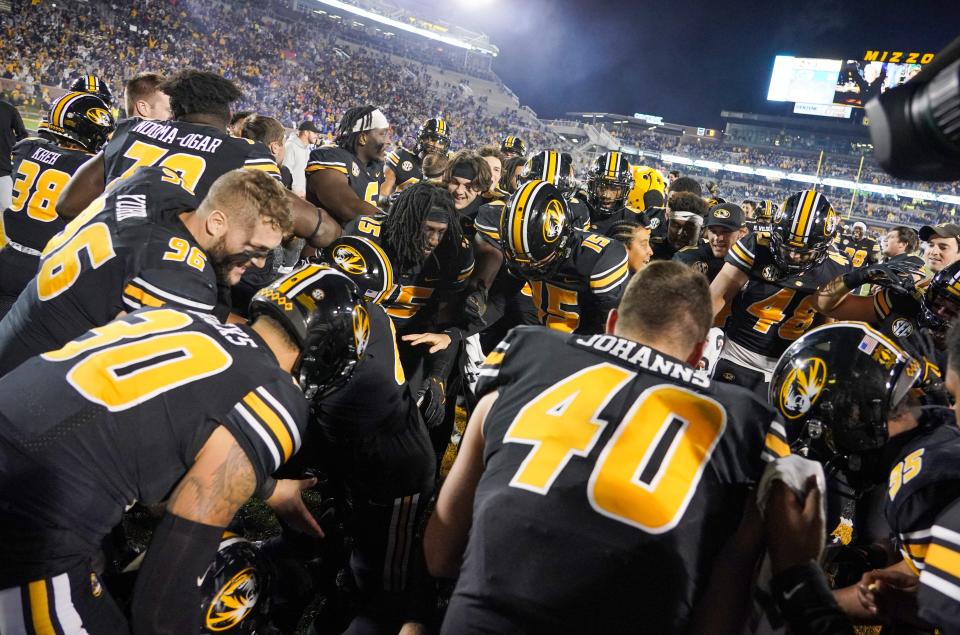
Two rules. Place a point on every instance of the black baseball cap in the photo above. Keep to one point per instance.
(946, 230)
(726, 215)
(308, 126)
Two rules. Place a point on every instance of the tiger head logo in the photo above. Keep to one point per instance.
(554, 220)
(99, 116)
(234, 601)
(802, 388)
(831, 222)
(361, 329)
(349, 260)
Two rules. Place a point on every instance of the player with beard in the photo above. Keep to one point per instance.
(609, 183)
(42, 165)
(195, 145)
(860, 248)
(404, 167)
(677, 225)
(344, 178)
(142, 244)
(725, 226)
(770, 281)
(432, 261)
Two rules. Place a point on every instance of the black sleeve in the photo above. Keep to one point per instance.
(806, 603)
(19, 131)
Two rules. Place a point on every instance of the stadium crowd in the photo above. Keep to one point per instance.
(468, 389)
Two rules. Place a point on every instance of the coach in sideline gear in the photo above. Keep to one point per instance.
(345, 178)
(145, 246)
(206, 416)
(11, 131)
(608, 513)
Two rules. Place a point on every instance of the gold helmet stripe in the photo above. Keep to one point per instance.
(519, 216)
(550, 166)
(613, 162)
(91, 84)
(57, 117)
(441, 126)
(803, 221)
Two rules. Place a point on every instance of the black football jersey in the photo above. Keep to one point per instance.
(865, 251)
(897, 317)
(620, 469)
(655, 218)
(924, 480)
(364, 180)
(601, 224)
(580, 211)
(702, 259)
(128, 250)
(770, 312)
(200, 154)
(579, 295)
(118, 415)
(443, 274)
(41, 169)
(939, 594)
(405, 165)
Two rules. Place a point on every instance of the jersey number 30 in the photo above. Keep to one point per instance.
(648, 471)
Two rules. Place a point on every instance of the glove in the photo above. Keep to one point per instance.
(476, 305)
(896, 276)
(431, 400)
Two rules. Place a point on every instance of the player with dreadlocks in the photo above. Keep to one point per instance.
(345, 178)
(432, 261)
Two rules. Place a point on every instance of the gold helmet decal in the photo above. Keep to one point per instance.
(831, 222)
(234, 601)
(350, 260)
(361, 329)
(99, 116)
(553, 221)
(802, 388)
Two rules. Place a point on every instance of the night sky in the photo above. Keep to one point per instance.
(685, 60)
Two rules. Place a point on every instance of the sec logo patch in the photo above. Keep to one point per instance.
(406, 166)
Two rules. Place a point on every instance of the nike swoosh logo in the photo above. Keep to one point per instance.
(200, 579)
(789, 594)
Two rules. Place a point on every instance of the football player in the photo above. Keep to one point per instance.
(403, 167)
(432, 261)
(142, 244)
(609, 182)
(510, 179)
(491, 154)
(725, 225)
(467, 177)
(917, 317)
(649, 189)
(576, 277)
(42, 166)
(943, 245)
(344, 178)
(143, 98)
(860, 248)
(763, 216)
(770, 282)
(95, 86)
(679, 224)
(851, 393)
(195, 145)
(161, 404)
(380, 450)
(607, 448)
(554, 167)
(513, 147)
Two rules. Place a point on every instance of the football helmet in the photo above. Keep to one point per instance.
(323, 312)
(95, 86)
(80, 118)
(802, 231)
(536, 230)
(649, 189)
(235, 595)
(940, 303)
(764, 210)
(551, 166)
(513, 147)
(608, 183)
(839, 383)
(364, 262)
(433, 137)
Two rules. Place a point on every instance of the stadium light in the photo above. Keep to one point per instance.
(671, 158)
(370, 15)
(803, 178)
